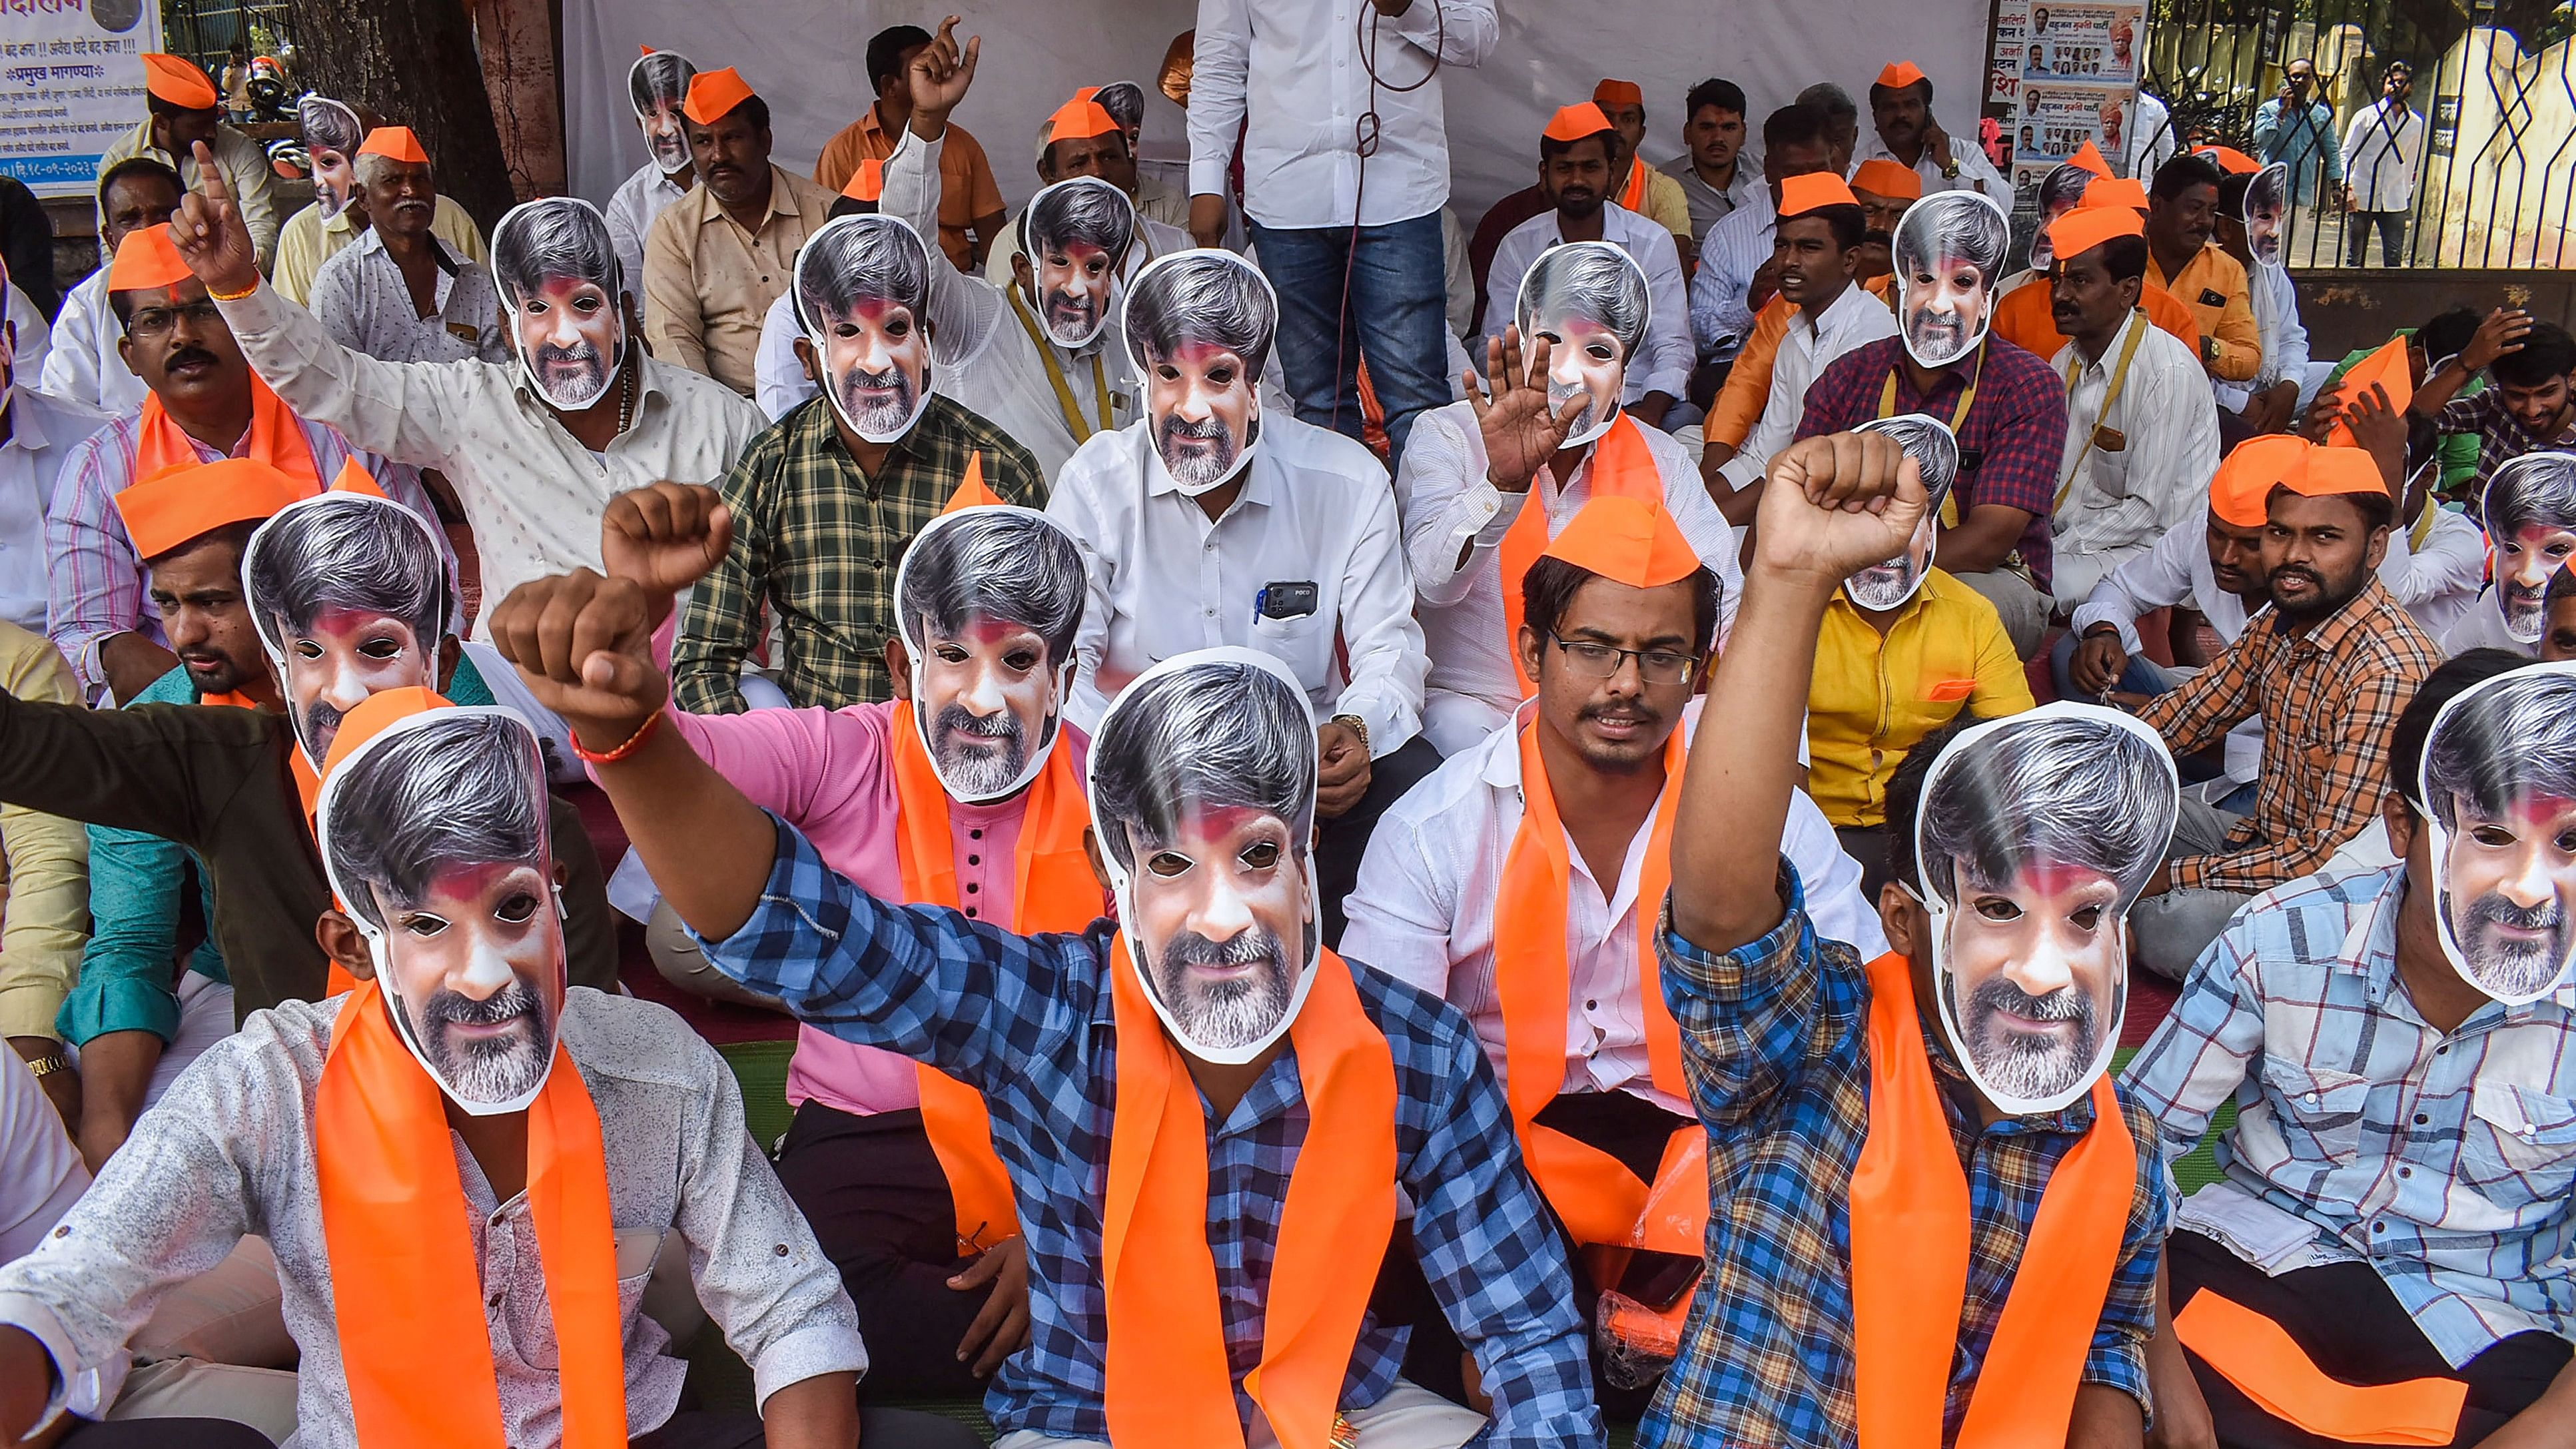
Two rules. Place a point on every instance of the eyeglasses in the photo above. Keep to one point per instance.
(153, 321)
(1602, 661)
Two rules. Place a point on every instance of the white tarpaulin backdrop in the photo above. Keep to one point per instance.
(807, 58)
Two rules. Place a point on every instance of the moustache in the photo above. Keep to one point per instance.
(1249, 947)
(188, 357)
(580, 354)
(321, 721)
(1878, 238)
(1208, 430)
(2495, 910)
(1626, 711)
(455, 1008)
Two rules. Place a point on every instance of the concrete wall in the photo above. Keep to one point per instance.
(2344, 309)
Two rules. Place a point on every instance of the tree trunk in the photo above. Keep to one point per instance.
(413, 62)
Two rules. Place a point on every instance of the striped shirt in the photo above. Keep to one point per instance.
(2444, 1161)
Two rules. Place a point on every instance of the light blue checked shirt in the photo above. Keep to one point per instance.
(2442, 1161)
(1027, 1022)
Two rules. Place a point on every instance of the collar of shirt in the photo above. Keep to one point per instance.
(25, 415)
(1260, 483)
(2356, 617)
(781, 202)
(1837, 316)
(2109, 362)
(2369, 950)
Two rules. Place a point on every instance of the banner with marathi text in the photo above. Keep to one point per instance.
(71, 82)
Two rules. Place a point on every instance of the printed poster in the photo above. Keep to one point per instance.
(71, 82)
(2082, 42)
(2004, 70)
(2054, 119)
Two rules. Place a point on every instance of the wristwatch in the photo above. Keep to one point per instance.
(1355, 725)
(1950, 172)
(50, 1063)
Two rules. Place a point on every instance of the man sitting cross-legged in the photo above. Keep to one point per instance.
(1206, 1121)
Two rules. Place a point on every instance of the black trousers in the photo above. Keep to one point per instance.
(166, 1434)
(1628, 1128)
(2345, 1319)
(878, 1429)
(880, 1207)
(1341, 841)
(1867, 846)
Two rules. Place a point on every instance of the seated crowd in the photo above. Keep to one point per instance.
(1635, 753)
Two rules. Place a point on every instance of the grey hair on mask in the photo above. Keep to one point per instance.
(858, 259)
(1962, 225)
(994, 563)
(1592, 280)
(1125, 103)
(553, 237)
(659, 79)
(2059, 789)
(2064, 186)
(1202, 296)
(349, 551)
(1085, 210)
(328, 125)
(2534, 489)
(1213, 736)
(462, 789)
(2510, 738)
(1932, 446)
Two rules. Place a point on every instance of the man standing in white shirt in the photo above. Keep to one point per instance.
(658, 85)
(84, 364)
(1574, 155)
(1209, 522)
(2141, 430)
(2152, 140)
(1815, 255)
(37, 433)
(2381, 149)
(1903, 131)
(1359, 266)
(1498, 475)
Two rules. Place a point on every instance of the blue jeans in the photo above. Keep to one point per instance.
(1398, 304)
(2391, 226)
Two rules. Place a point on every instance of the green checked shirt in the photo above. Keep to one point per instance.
(817, 541)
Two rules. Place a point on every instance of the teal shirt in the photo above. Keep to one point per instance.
(126, 978)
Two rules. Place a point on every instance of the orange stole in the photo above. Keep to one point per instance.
(405, 1288)
(2259, 1357)
(1169, 1384)
(1621, 467)
(1600, 1200)
(1632, 196)
(1054, 890)
(1909, 1255)
(160, 446)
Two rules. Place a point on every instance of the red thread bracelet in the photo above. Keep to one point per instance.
(633, 743)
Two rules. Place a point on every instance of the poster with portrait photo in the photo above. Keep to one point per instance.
(2057, 116)
(1935, 450)
(862, 299)
(562, 298)
(1199, 328)
(1589, 300)
(1949, 254)
(1201, 781)
(348, 593)
(2267, 210)
(2035, 835)
(988, 601)
(2004, 67)
(2498, 791)
(657, 86)
(2083, 42)
(2529, 510)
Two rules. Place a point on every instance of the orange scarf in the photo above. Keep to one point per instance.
(1632, 197)
(1909, 1255)
(407, 1295)
(275, 439)
(2259, 1357)
(1169, 1383)
(1621, 468)
(1599, 1199)
(1054, 890)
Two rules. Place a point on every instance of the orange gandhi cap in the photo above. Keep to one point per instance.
(146, 259)
(1900, 74)
(1574, 122)
(2086, 227)
(1627, 540)
(178, 81)
(180, 505)
(394, 143)
(1882, 177)
(713, 93)
(1813, 192)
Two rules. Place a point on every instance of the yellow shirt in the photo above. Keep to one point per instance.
(304, 244)
(44, 922)
(2212, 285)
(1665, 206)
(1875, 698)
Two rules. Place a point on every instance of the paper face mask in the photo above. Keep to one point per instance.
(1202, 790)
(1589, 300)
(561, 288)
(331, 138)
(349, 594)
(1199, 328)
(2529, 509)
(989, 600)
(862, 291)
(1949, 250)
(2035, 835)
(2267, 202)
(434, 836)
(2061, 192)
(658, 85)
(2498, 787)
(1075, 235)
(1928, 441)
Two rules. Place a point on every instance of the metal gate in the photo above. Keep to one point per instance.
(217, 34)
(2491, 120)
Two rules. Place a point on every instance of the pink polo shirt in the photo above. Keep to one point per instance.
(830, 773)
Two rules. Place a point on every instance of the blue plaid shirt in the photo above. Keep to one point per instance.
(1027, 1021)
(2444, 1161)
(1775, 1043)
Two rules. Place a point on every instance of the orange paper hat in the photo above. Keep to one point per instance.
(712, 93)
(1813, 192)
(2086, 227)
(648, 50)
(183, 504)
(178, 81)
(2390, 368)
(2088, 157)
(145, 260)
(1882, 177)
(2238, 489)
(971, 492)
(2230, 160)
(2337, 470)
(1900, 74)
(1574, 122)
(867, 183)
(354, 478)
(374, 715)
(1618, 93)
(1079, 118)
(394, 143)
(2121, 191)
(1627, 540)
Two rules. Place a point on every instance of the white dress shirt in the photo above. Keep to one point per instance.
(83, 363)
(2275, 302)
(41, 1174)
(2441, 564)
(34, 337)
(360, 294)
(1663, 364)
(1290, 77)
(2113, 503)
(2381, 149)
(2176, 571)
(2151, 140)
(1424, 910)
(2481, 626)
(630, 212)
(532, 493)
(1315, 507)
(1449, 504)
(1976, 173)
(1734, 249)
(43, 430)
(1809, 346)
